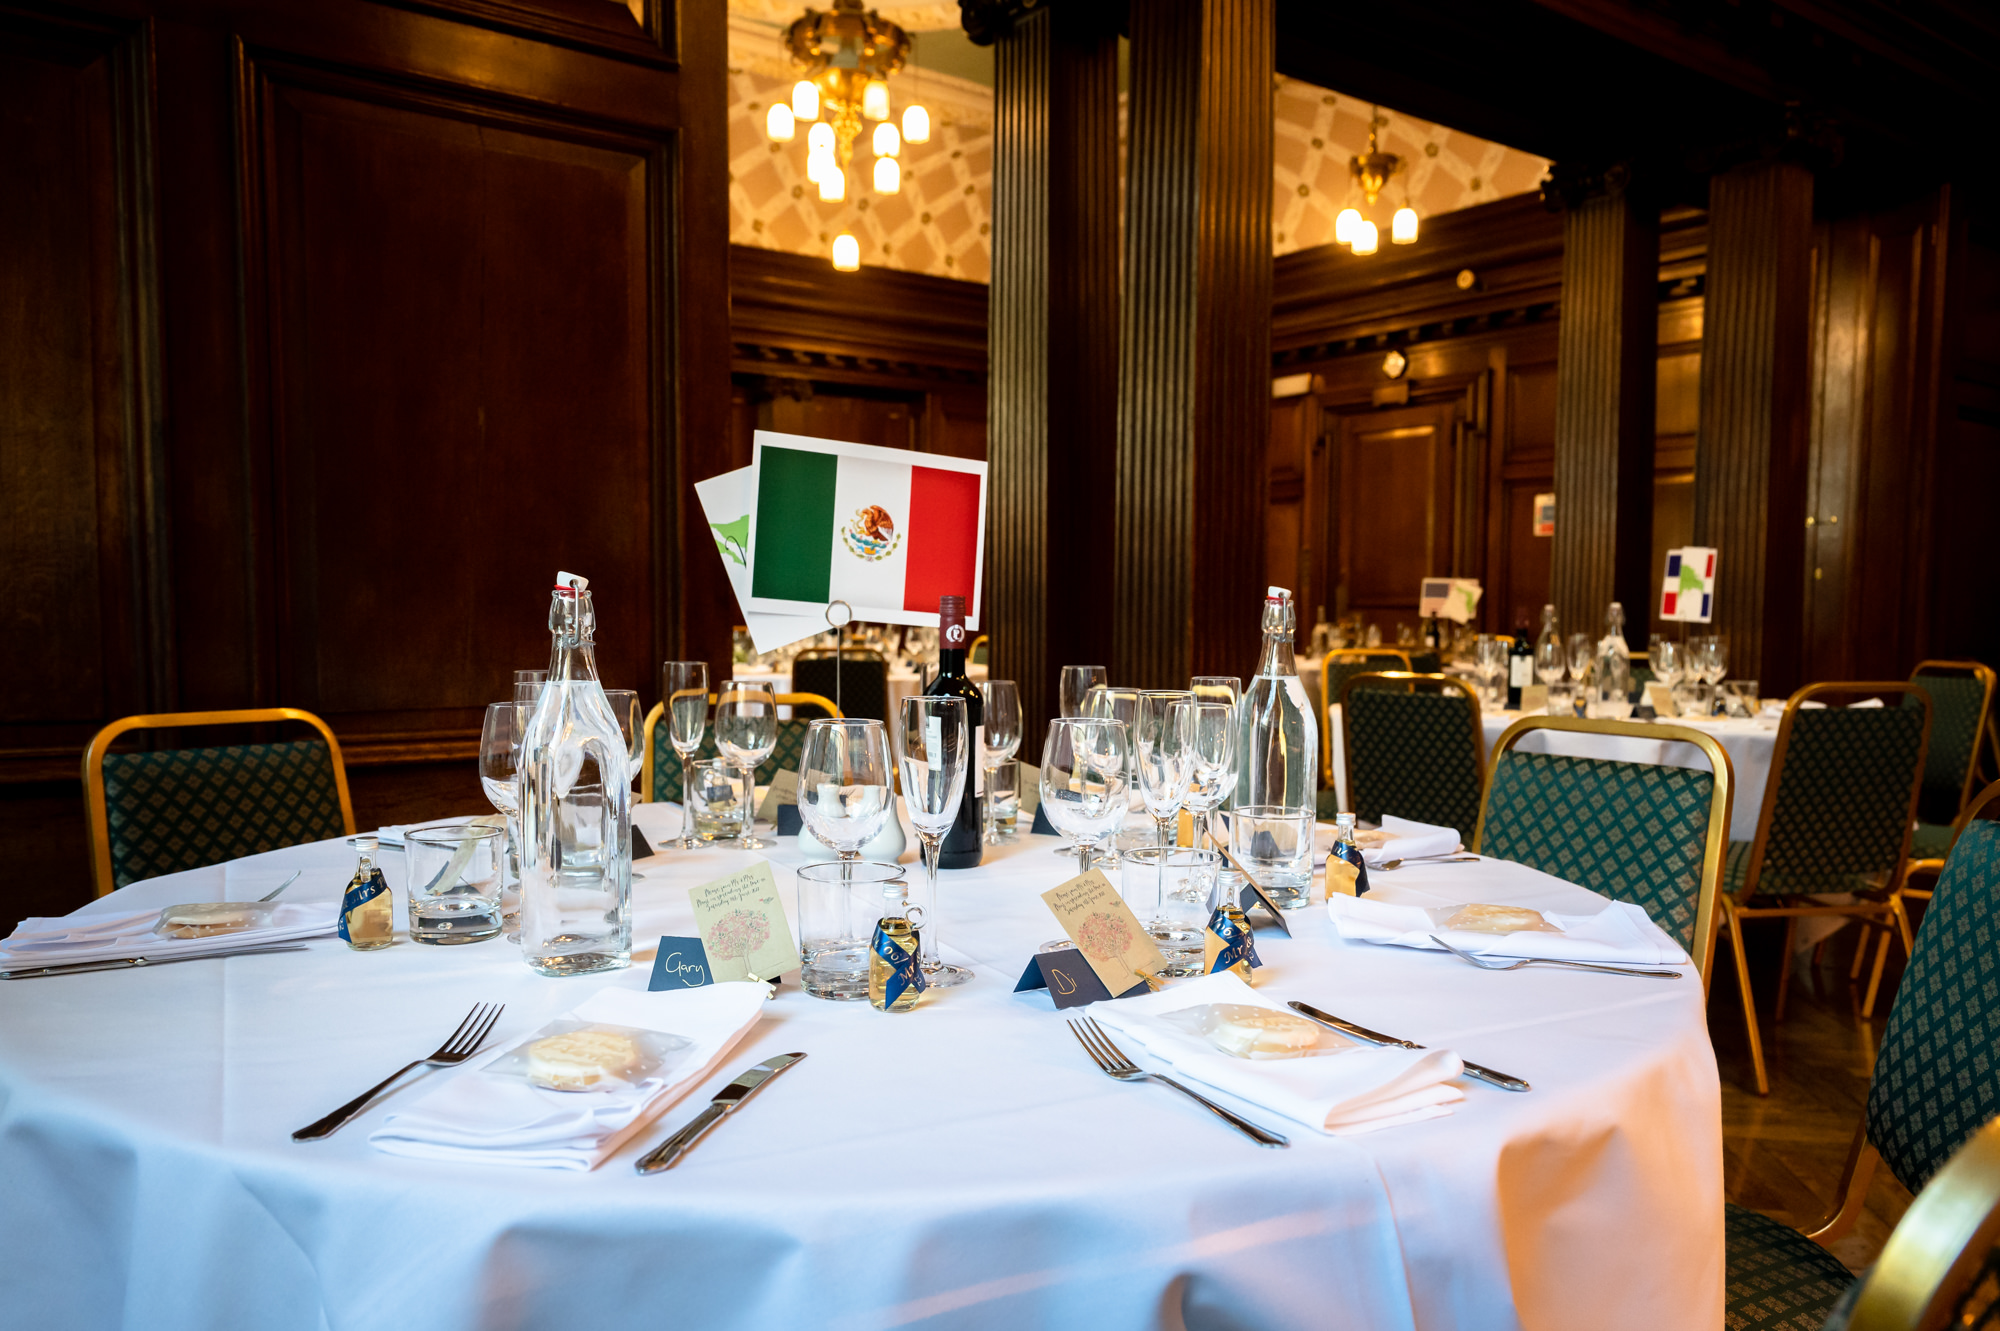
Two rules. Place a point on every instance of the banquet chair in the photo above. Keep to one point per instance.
(660, 774)
(1341, 665)
(978, 652)
(162, 811)
(1961, 694)
(862, 686)
(1413, 747)
(1639, 832)
(1935, 1084)
(1836, 820)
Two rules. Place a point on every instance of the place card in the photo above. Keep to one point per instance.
(1253, 897)
(1105, 930)
(1070, 980)
(1028, 786)
(681, 963)
(1534, 699)
(641, 848)
(1662, 698)
(789, 820)
(1042, 825)
(742, 926)
(783, 790)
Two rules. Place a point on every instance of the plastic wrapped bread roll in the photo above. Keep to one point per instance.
(1483, 918)
(585, 1060)
(1244, 1030)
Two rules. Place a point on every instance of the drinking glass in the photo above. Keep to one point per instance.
(1217, 688)
(1741, 697)
(1084, 764)
(1117, 705)
(935, 749)
(1550, 660)
(528, 691)
(1580, 651)
(1668, 661)
(746, 731)
(632, 723)
(499, 769)
(1001, 738)
(1211, 764)
(1077, 681)
(1562, 699)
(455, 876)
(1160, 739)
(839, 905)
(1274, 844)
(1489, 663)
(1169, 887)
(684, 684)
(1718, 659)
(1004, 794)
(846, 792)
(718, 798)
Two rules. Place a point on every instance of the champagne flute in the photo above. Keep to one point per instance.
(1001, 736)
(499, 772)
(934, 748)
(1160, 744)
(684, 684)
(1211, 765)
(746, 732)
(845, 783)
(1078, 680)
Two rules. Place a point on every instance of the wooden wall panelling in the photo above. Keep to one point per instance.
(1397, 472)
(1287, 463)
(1967, 471)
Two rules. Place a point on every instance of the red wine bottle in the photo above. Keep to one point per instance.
(963, 843)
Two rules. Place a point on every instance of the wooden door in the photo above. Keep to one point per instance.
(1392, 508)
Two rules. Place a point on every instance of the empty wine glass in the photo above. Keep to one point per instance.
(1581, 649)
(1001, 736)
(684, 684)
(1160, 754)
(499, 767)
(1076, 682)
(1718, 659)
(1084, 764)
(1217, 688)
(846, 793)
(935, 750)
(746, 731)
(1211, 764)
(631, 724)
(1550, 658)
(1668, 661)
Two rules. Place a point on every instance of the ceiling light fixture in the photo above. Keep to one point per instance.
(1372, 171)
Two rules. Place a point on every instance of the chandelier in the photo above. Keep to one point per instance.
(844, 57)
(1371, 171)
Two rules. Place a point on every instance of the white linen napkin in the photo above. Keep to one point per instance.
(489, 1118)
(1409, 840)
(61, 939)
(1356, 1090)
(1620, 934)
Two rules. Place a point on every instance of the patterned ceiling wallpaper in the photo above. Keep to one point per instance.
(941, 222)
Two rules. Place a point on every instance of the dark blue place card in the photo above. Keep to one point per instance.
(1254, 897)
(790, 822)
(1043, 827)
(681, 963)
(1069, 979)
(641, 847)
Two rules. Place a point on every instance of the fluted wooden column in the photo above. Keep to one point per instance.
(1053, 349)
(1606, 374)
(1751, 454)
(1194, 401)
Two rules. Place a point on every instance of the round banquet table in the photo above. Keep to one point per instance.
(962, 1165)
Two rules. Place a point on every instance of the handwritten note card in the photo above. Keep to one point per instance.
(742, 926)
(1105, 930)
(681, 963)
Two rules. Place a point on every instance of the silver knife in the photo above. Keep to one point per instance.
(132, 963)
(1487, 1075)
(727, 1100)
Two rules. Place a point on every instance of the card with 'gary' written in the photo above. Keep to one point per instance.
(742, 926)
(1105, 930)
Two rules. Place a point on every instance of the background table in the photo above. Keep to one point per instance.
(959, 1166)
(903, 683)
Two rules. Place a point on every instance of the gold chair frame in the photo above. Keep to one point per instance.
(1714, 842)
(1411, 678)
(1326, 704)
(98, 812)
(1939, 1246)
(1888, 911)
(659, 709)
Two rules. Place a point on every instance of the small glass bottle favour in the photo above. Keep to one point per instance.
(895, 979)
(1229, 942)
(1346, 871)
(367, 911)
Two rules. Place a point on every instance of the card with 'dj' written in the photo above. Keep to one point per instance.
(742, 926)
(1105, 930)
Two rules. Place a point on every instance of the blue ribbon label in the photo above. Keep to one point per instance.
(1352, 854)
(681, 963)
(356, 897)
(904, 972)
(1237, 943)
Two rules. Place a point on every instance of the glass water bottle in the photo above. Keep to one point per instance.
(1279, 735)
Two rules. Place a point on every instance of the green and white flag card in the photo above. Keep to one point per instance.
(725, 504)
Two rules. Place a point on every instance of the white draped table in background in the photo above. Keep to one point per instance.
(961, 1165)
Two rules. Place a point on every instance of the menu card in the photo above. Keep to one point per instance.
(742, 926)
(1105, 930)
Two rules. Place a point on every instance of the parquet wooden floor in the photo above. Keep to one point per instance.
(1783, 1153)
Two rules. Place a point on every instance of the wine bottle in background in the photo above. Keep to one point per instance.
(963, 845)
(1520, 666)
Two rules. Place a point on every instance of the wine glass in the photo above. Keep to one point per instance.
(1001, 736)
(631, 724)
(499, 768)
(1076, 682)
(684, 684)
(1084, 765)
(746, 731)
(1550, 660)
(1160, 744)
(1581, 649)
(1668, 661)
(1489, 663)
(1718, 659)
(1217, 688)
(845, 783)
(1211, 764)
(935, 749)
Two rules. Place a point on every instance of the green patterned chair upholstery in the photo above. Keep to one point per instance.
(1936, 1085)
(1836, 819)
(1411, 753)
(663, 766)
(164, 811)
(863, 684)
(1636, 832)
(1339, 667)
(1961, 694)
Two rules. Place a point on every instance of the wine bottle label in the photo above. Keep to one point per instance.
(1521, 672)
(977, 779)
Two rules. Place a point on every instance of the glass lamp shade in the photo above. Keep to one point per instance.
(846, 253)
(887, 141)
(820, 138)
(916, 124)
(888, 175)
(805, 99)
(1343, 225)
(1365, 237)
(1403, 228)
(779, 123)
(875, 100)
(832, 183)
(820, 163)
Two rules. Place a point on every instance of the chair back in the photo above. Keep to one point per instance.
(1937, 1074)
(1341, 665)
(167, 810)
(977, 653)
(1941, 1265)
(660, 777)
(1636, 832)
(1413, 748)
(1961, 694)
(1842, 793)
(862, 686)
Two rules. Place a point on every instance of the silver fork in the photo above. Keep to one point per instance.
(1498, 964)
(463, 1044)
(1113, 1062)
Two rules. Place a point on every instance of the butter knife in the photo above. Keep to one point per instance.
(1487, 1075)
(726, 1102)
(133, 963)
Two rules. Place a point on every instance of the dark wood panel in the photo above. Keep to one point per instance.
(1393, 506)
(641, 30)
(876, 320)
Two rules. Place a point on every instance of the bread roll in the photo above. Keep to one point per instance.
(205, 919)
(1247, 1031)
(1480, 918)
(584, 1060)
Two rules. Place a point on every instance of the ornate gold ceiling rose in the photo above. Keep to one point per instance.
(849, 53)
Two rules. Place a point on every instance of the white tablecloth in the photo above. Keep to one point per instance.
(1749, 745)
(959, 1166)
